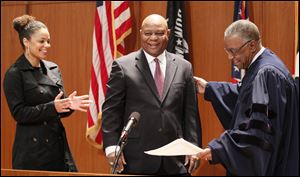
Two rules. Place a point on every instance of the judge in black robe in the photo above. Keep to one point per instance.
(260, 114)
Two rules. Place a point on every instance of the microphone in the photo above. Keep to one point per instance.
(133, 120)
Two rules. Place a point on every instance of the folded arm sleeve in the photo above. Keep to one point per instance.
(223, 97)
(113, 106)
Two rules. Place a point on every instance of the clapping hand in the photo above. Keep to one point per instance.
(79, 103)
(62, 105)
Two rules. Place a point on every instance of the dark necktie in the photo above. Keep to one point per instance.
(158, 78)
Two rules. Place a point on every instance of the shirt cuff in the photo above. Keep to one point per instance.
(111, 149)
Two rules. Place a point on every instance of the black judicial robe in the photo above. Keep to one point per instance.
(261, 120)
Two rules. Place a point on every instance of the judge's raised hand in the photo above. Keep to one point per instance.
(62, 105)
(201, 84)
(80, 103)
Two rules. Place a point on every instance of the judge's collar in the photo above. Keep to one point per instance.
(257, 55)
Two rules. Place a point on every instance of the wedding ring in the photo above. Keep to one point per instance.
(111, 163)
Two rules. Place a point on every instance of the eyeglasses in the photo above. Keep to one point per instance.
(234, 52)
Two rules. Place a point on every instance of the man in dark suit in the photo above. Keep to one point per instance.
(160, 86)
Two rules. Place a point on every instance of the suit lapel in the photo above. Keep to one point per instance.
(143, 67)
(171, 69)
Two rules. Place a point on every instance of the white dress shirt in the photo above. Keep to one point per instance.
(257, 55)
(162, 62)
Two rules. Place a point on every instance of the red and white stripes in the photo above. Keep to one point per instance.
(112, 25)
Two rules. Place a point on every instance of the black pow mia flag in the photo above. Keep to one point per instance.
(178, 42)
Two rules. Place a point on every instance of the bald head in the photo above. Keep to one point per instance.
(155, 19)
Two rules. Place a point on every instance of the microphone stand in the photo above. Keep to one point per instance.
(134, 117)
(123, 143)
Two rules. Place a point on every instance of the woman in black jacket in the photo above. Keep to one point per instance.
(36, 98)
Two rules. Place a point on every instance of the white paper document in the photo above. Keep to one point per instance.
(176, 148)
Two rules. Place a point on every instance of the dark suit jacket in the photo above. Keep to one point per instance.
(40, 141)
(131, 88)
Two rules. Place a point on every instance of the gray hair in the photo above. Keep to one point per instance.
(244, 29)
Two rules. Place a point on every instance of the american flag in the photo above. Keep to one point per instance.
(112, 25)
(240, 12)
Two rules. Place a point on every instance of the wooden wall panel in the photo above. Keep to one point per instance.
(71, 27)
(153, 7)
(279, 29)
(10, 50)
(132, 42)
